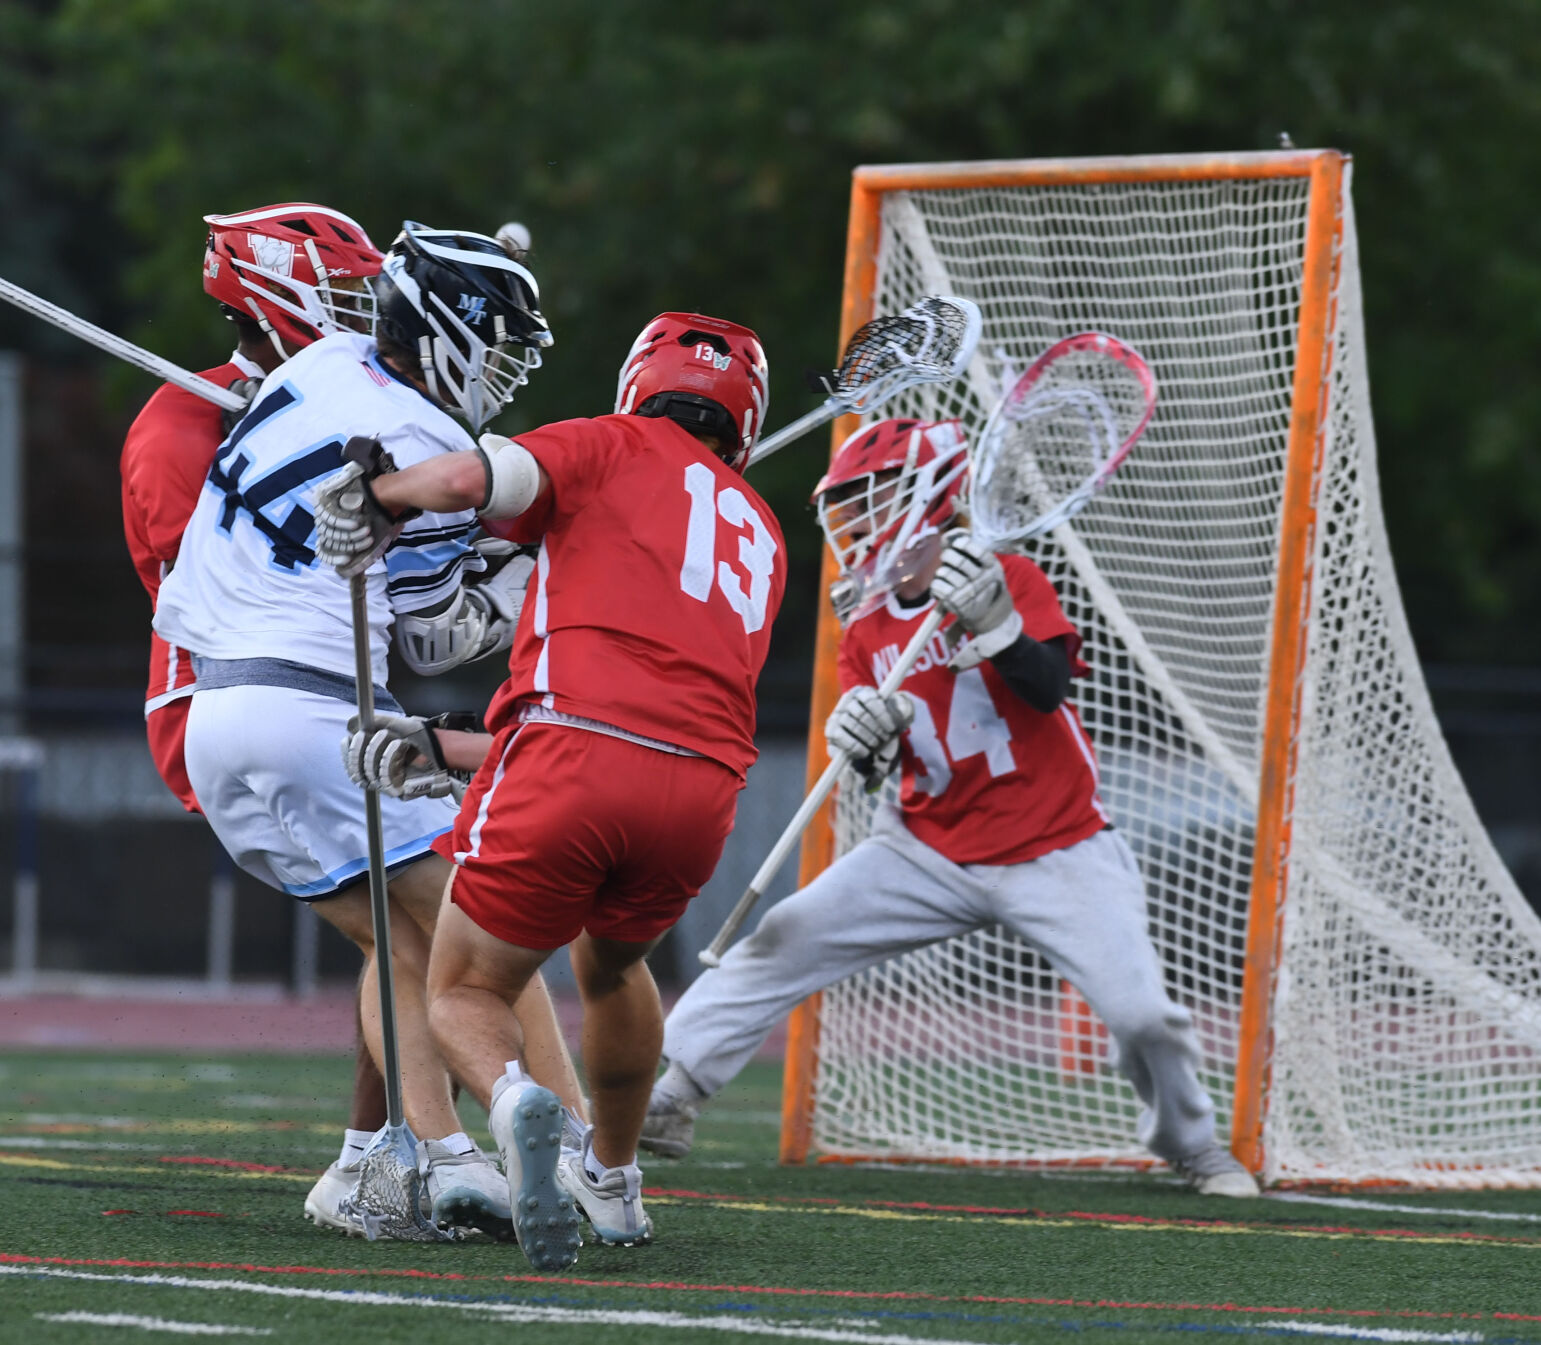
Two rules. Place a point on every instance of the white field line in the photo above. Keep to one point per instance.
(509, 1312)
(1351, 1203)
(1389, 1333)
(152, 1324)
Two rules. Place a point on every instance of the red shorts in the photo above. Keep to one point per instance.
(565, 830)
(166, 727)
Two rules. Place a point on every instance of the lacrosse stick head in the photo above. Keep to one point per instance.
(299, 271)
(707, 374)
(931, 341)
(390, 1186)
(890, 487)
(1058, 436)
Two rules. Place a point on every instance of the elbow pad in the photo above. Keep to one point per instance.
(513, 477)
(431, 644)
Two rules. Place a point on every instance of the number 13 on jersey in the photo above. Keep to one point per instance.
(756, 555)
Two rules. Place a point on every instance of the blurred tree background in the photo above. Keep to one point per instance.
(697, 155)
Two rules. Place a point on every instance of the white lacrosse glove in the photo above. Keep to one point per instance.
(970, 583)
(353, 530)
(401, 757)
(246, 389)
(499, 590)
(866, 726)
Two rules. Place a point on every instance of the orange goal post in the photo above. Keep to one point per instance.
(1363, 974)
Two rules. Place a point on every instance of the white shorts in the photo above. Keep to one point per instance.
(266, 765)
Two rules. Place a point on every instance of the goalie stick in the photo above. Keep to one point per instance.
(932, 341)
(124, 350)
(1051, 444)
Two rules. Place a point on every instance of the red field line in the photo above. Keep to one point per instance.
(685, 1286)
(226, 1163)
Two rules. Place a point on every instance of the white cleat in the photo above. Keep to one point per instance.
(669, 1129)
(527, 1125)
(464, 1191)
(322, 1205)
(1214, 1172)
(613, 1206)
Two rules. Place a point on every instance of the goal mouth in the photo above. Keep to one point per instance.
(1362, 972)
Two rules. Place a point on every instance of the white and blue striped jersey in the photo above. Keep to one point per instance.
(247, 583)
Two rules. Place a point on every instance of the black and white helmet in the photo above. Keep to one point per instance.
(469, 310)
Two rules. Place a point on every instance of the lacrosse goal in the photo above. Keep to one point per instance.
(1364, 975)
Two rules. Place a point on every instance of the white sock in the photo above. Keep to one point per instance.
(458, 1143)
(512, 1077)
(354, 1142)
(678, 1085)
(598, 1171)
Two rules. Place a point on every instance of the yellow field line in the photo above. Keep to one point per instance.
(156, 1169)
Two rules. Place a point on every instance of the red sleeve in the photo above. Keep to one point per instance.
(165, 461)
(851, 665)
(574, 454)
(1042, 616)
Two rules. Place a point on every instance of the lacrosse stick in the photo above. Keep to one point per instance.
(124, 350)
(1050, 445)
(385, 1200)
(932, 341)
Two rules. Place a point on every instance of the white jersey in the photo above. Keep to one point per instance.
(247, 583)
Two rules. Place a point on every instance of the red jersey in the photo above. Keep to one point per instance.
(165, 462)
(659, 575)
(987, 779)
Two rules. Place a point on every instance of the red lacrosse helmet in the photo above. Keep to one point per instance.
(707, 374)
(888, 485)
(298, 270)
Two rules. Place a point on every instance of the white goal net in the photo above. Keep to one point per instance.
(1405, 1014)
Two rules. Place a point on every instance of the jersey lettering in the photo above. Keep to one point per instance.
(288, 530)
(756, 548)
(974, 726)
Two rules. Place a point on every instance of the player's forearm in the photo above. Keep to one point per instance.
(442, 485)
(463, 751)
(1038, 672)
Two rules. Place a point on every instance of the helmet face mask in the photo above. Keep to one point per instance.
(468, 312)
(706, 374)
(299, 271)
(890, 485)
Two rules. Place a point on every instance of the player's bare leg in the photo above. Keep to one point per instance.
(366, 1111)
(622, 1040)
(540, 1046)
(424, 1079)
(473, 980)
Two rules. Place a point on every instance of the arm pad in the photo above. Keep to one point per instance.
(434, 642)
(513, 477)
(1037, 672)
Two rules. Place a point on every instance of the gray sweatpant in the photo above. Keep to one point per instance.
(1082, 907)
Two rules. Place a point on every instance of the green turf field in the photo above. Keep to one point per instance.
(159, 1197)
